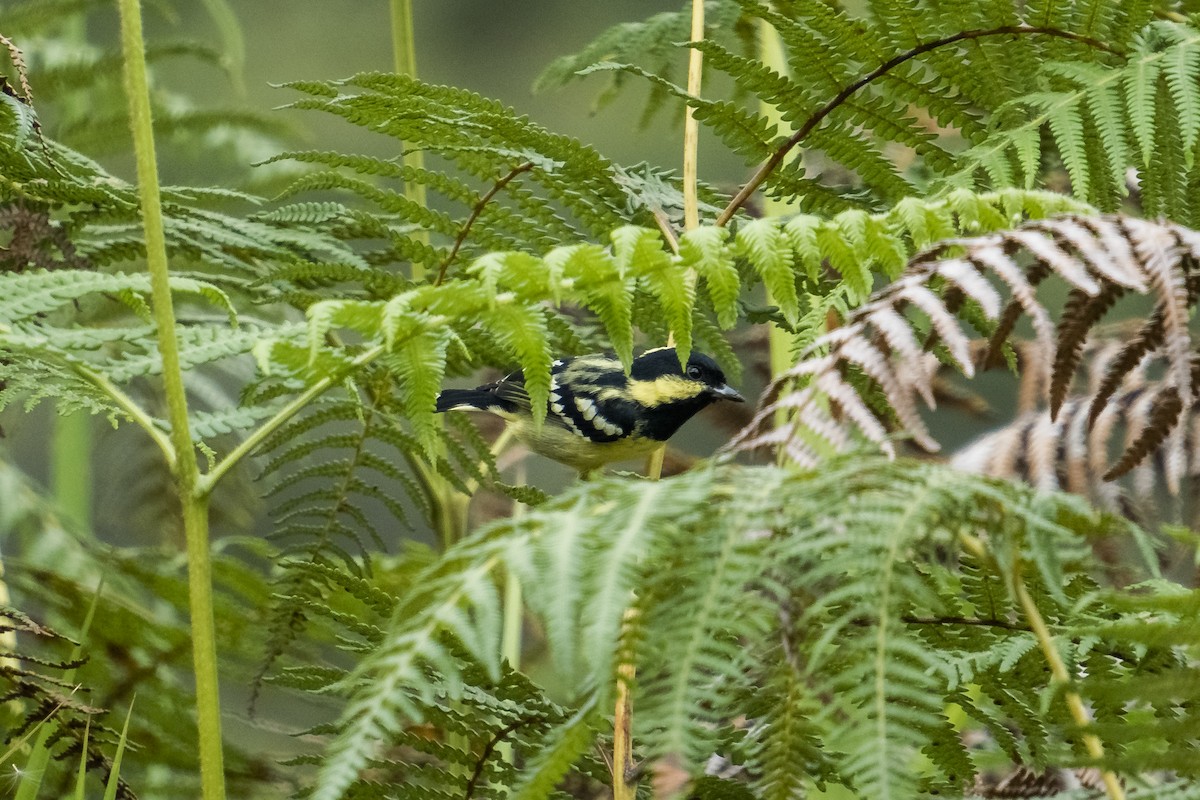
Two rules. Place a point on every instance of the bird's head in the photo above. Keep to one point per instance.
(658, 380)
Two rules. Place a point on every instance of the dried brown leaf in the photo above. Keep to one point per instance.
(1080, 314)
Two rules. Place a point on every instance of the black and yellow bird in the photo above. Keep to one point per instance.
(596, 413)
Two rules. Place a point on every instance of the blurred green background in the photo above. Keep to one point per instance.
(494, 49)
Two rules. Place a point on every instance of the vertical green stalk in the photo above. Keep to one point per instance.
(8, 639)
(1059, 673)
(186, 470)
(71, 465)
(779, 340)
(404, 53)
(510, 640)
(71, 445)
(450, 516)
(514, 605)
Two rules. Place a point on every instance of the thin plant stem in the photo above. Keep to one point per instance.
(624, 776)
(8, 639)
(187, 470)
(514, 605)
(624, 786)
(514, 610)
(114, 774)
(207, 482)
(127, 404)
(510, 642)
(454, 508)
(1058, 669)
(691, 201)
(81, 775)
(475, 212)
(691, 126)
(450, 517)
(654, 463)
(778, 340)
(71, 463)
(404, 55)
(1060, 675)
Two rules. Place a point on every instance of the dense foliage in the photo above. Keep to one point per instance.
(830, 622)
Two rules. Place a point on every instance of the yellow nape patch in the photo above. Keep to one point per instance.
(666, 389)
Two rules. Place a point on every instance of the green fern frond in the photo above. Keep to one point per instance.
(864, 594)
(482, 137)
(32, 294)
(652, 42)
(1149, 104)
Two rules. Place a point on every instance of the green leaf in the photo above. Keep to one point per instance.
(521, 330)
(763, 243)
(1141, 86)
(602, 286)
(639, 252)
(1181, 69)
(419, 362)
(114, 775)
(705, 250)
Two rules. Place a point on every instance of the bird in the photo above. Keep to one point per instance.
(596, 414)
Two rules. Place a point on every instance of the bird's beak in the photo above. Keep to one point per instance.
(726, 392)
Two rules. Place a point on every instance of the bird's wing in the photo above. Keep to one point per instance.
(588, 400)
(511, 390)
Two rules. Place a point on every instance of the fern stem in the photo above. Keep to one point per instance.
(1059, 673)
(8, 639)
(187, 471)
(654, 463)
(514, 610)
(404, 54)
(810, 124)
(136, 413)
(71, 463)
(779, 341)
(624, 776)
(495, 745)
(691, 126)
(208, 481)
(1058, 669)
(450, 513)
(475, 212)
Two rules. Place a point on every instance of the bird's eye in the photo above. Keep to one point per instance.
(693, 372)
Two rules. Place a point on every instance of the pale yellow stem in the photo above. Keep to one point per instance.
(691, 127)
(1058, 669)
(1059, 674)
(622, 764)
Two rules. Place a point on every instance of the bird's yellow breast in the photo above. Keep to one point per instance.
(574, 450)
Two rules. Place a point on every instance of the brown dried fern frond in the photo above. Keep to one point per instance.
(1098, 258)
(25, 95)
(1068, 454)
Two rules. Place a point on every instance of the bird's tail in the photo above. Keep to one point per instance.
(464, 400)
